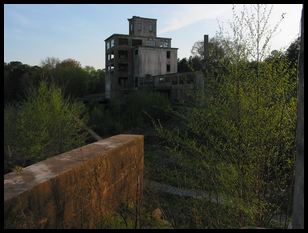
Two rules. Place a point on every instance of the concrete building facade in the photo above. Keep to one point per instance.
(137, 55)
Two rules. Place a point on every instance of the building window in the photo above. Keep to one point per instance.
(136, 80)
(123, 54)
(151, 27)
(168, 54)
(122, 81)
(150, 43)
(131, 27)
(123, 67)
(136, 52)
(108, 45)
(137, 42)
(123, 41)
(168, 68)
(139, 26)
(112, 43)
(164, 44)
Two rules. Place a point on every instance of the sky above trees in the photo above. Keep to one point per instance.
(33, 32)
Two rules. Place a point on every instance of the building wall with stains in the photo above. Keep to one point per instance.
(155, 61)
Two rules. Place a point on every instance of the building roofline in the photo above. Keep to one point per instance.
(154, 47)
(115, 34)
(127, 35)
(140, 18)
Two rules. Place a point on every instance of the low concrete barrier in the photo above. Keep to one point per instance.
(77, 188)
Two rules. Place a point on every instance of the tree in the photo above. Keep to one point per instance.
(217, 57)
(195, 63)
(95, 80)
(183, 66)
(72, 79)
(17, 78)
(243, 138)
(293, 51)
(43, 125)
(49, 65)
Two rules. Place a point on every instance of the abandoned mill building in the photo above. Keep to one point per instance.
(136, 56)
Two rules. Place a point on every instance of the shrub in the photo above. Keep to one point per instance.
(43, 125)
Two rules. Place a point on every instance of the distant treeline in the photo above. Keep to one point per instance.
(69, 75)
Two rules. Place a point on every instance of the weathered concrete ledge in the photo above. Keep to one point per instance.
(75, 189)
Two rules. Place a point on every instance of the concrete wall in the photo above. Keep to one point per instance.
(154, 61)
(75, 189)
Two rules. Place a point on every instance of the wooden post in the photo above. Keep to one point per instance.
(298, 198)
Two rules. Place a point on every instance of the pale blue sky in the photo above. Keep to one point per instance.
(33, 32)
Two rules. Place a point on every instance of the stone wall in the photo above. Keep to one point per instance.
(75, 189)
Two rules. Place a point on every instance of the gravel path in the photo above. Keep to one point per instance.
(198, 194)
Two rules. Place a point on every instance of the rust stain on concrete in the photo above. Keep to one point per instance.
(75, 189)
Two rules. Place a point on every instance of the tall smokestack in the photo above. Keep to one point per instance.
(206, 51)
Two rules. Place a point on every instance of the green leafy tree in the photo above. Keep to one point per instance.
(183, 66)
(17, 78)
(43, 125)
(71, 78)
(95, 80)
(243, 137)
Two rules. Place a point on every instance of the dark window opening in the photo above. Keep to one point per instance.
(168, 54)
(168, 68)
(136, 52)
(123, 67)
(136, 42)
(123, 41)
(122, 81)
(139, 26)
(136, 81)
(123, 54)
(111, 43)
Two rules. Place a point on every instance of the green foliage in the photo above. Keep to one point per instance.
(116, 221)
(292, 51)
(243, 134)
(17, 78)
(183, 66)
(43, 125)
(74, 80)
(244, 140)
(127, 112)
(216, 56)
(138, 103)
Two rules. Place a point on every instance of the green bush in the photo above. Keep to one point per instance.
(141, 102)
(43, 125)
(128, 112)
